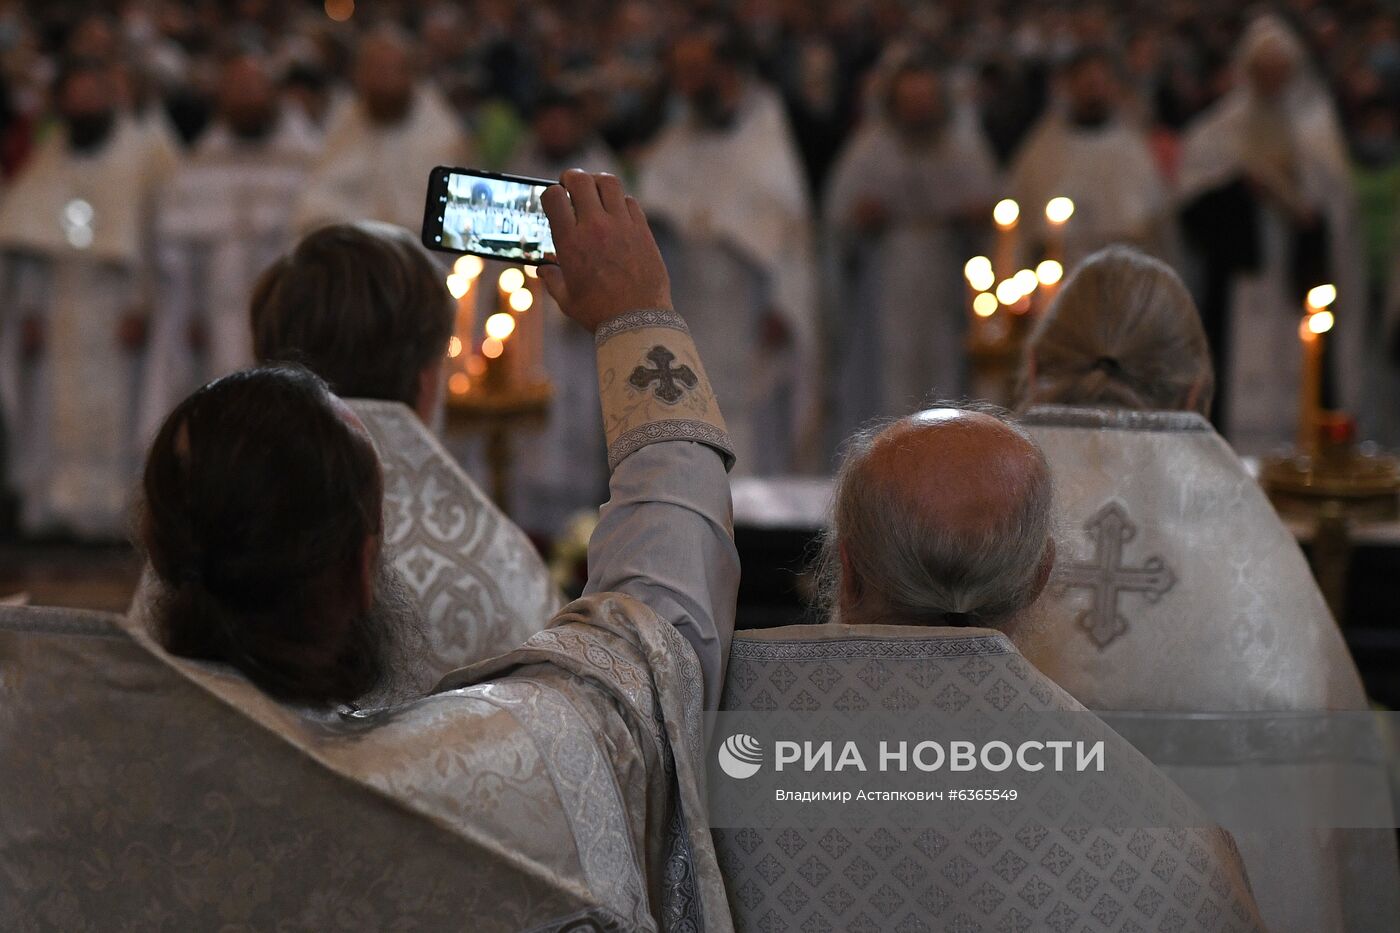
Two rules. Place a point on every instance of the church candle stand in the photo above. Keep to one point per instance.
(1004, 303)
(1329, 479)
(500, 388)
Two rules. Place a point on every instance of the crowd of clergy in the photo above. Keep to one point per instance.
(348, 694)
(157, 158)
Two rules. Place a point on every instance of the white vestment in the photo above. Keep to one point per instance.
(371, 172)
(74, 254)
(569, 771)
(561, 468)
(221, 221)
(1108, 171)
(1265, 358)
(1180, 591)
(1093, 859)
(902, 304)
(735, 206)
(480, 584)
(559, 788)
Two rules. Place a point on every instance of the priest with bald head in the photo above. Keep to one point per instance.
(971, 543)
(940, 544)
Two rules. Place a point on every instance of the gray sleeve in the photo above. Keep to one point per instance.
(666, 537)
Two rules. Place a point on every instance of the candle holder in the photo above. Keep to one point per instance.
(1340, 486)
(501, 387)
(1003, 312)
(1329, 479)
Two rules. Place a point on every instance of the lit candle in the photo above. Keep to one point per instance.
(496, 377)
(461, 285)
(1317, 321)
(1048, 274)
(1006, 215)
(1058, 211)
(980, 280)
(503, 367)
(529, 332)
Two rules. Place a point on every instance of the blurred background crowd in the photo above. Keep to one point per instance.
(497, 61)
(329, 100)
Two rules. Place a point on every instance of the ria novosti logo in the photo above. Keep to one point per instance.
(740, 756)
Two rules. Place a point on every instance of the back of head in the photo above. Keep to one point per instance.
(1123, 332)
(362, 305)
(941, 518)
(259, 497)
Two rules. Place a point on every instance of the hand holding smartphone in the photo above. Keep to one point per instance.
(608, 263)
(488, 214)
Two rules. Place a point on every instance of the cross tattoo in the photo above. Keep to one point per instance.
(1106, 577)
(668, 381)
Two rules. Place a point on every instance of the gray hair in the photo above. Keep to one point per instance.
(1123, 333)
(913, 570)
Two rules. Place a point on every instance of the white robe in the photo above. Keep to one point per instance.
(481, 587)
(902, 303)
(736, 206)
(562, 467)
(1265, 353)
(1118, 194)
(74, 252)
(986, 867)
(1179, 592)
(377, 173)
(222, 220)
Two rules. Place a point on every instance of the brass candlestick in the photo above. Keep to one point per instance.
(1329, 479)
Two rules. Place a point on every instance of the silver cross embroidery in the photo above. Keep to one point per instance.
(666, 378)
(1107, 579)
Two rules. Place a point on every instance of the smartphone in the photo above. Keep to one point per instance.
(487, 214)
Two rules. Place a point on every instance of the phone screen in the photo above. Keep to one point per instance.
(488, 214)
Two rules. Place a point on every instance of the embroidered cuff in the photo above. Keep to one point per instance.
(654, 387)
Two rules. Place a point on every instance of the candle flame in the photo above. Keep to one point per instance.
(511, 280)
(1049, 272)
(1320, 322)
(459, 384)
(500, 326)
(1059, 210)
(1006, 213)
(1008, 292)
(458, 285)
(454, 346)
(522, 299)
(984, 305)
(531, 272)
(469, 266)
(979, 274)
(476, 366)
(492, 348)
(1321, 297)
(1026, 281)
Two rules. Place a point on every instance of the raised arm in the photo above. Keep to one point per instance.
(666, 534)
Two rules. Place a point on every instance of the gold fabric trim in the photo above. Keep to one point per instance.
(654, 388)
